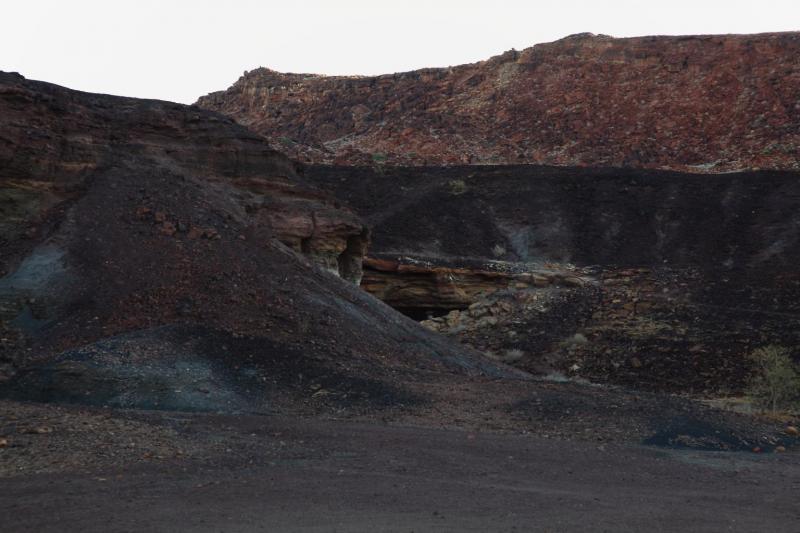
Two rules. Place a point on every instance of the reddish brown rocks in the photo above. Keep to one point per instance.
(703, 103)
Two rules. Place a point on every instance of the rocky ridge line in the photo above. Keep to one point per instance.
(712, 103)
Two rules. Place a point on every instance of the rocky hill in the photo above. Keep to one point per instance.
(699, 103)
(158, 255)
(647, 278)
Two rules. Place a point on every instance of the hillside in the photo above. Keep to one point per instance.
(699, 103)
(160, 256)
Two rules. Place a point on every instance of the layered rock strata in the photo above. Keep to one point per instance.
(413, 283)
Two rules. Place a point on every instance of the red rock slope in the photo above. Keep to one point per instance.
(702, 103)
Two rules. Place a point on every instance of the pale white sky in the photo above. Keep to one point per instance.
(180, 49)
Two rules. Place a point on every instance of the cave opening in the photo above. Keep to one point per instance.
(424, 313)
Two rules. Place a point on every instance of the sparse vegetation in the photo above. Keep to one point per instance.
(378, 158)
(457, 186)
(776, 383)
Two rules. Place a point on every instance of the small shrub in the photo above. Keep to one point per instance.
(776, 384)
(379, 158)
(513, 355)
(457, 186)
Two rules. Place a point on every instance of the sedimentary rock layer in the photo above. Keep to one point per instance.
(413, 283)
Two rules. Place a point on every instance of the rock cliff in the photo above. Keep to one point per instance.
(699, 103)
(53, 141)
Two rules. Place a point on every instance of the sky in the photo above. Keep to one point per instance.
(181, 49)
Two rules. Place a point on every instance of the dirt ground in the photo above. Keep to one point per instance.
(222, 381)
(263, 473)
(478, 455)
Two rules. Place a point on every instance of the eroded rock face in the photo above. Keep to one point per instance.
(701, 103)
(55, 140)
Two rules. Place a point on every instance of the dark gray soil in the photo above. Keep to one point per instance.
(278, 474)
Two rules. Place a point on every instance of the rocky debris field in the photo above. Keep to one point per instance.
(712, 103)
(642, 328)
(38, 438)
(486, 442)
(47, 438)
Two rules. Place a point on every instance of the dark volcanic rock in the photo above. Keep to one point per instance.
(603, 216)
(191, 368)
(701, 103)
(646, 278)
(124, 215)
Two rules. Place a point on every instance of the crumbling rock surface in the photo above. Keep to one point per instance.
(140, 237)
(413, 283)
(701, 103)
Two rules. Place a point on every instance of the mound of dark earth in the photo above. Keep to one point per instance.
(651, 279)
(708, 103)
(159, 255)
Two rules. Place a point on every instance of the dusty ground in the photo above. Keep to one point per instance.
(478, 455)
(275, 473)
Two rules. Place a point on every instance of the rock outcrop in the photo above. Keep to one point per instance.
(429, 286)
(699, 103)
(155, 254)
(54, 140)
